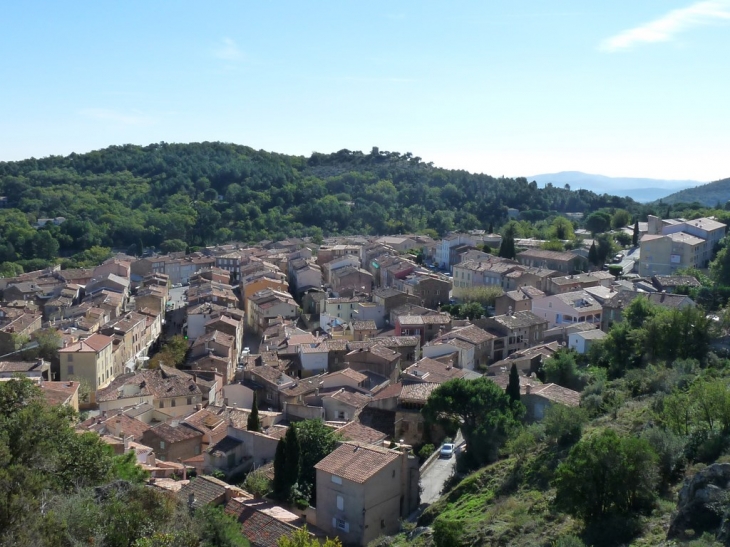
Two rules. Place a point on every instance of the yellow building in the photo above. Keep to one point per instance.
(90, 359)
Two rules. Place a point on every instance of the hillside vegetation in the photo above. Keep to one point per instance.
(170, 196)
(655, 410)
(708, 195)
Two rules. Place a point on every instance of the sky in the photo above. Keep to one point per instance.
(620, 88)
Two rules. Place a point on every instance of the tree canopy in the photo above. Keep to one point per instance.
(170, 196)
(480, 408)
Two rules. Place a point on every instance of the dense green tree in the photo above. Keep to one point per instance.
(620, 219)
(507, 247)
(564, 424)
(316, 441)
(281, 485)
(598, 222)
(253, 422)
(607, 473)
(59, 487)
(635, 236)
(562, 369)
(513, 387)
(293, 456)
(483, 411)
(720, 267)
(593, 255)
(173, 246)
(562, 229)
(134, 197)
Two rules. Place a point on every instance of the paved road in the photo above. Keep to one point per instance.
(434, 478)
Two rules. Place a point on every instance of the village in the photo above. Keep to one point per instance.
(353, 332)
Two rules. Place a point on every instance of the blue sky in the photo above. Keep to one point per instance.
(621, 88)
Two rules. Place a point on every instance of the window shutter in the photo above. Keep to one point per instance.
(334, 522)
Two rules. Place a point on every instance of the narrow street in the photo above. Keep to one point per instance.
(435, 476)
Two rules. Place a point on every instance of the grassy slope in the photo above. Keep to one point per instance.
(512, 505)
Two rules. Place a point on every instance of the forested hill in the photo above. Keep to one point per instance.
(708, 195)
(203, 193)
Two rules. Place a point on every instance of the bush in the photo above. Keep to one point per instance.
(426, 451)
(592, 403)
(446, 533)
(607, 474)
(705, 446)
(670, 450)
(523, 443)
(257, 483)
(564, 424)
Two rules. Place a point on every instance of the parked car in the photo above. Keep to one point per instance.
(447, 450)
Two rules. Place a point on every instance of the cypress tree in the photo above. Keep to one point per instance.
(254, 424)
(513, 388)
(281, 489)
(507, 248)
(593, 254)
(635, 237)
(293, 457)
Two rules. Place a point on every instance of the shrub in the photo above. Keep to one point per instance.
(257, 483)
(446, 533)
(521, 445)
(607, 474)
(426, 451)
(670, 450)
(564, 424)
(592, 403)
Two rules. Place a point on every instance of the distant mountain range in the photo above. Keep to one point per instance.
(707, 194)
(642, 190)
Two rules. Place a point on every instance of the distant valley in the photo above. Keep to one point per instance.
(640, 189)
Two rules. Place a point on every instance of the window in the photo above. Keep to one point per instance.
(162, 404)
(342, 525)
(70, 369)
(190, 400)
(336, 479)
(70, 357)
(340, 503)
(172, 403)
(162, 444)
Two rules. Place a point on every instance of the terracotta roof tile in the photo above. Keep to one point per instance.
(357, 462)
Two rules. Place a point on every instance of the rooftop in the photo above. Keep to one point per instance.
(360, 433)
(357, 462)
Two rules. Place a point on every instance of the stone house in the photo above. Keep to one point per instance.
(364, 491)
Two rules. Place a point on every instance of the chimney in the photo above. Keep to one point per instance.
(199, 406)
(528, 389)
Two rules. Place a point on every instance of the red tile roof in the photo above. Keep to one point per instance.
(357, 462)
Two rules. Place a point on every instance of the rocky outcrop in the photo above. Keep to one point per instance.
(703, 505)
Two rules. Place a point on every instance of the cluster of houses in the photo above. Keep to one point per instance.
(350, 332)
